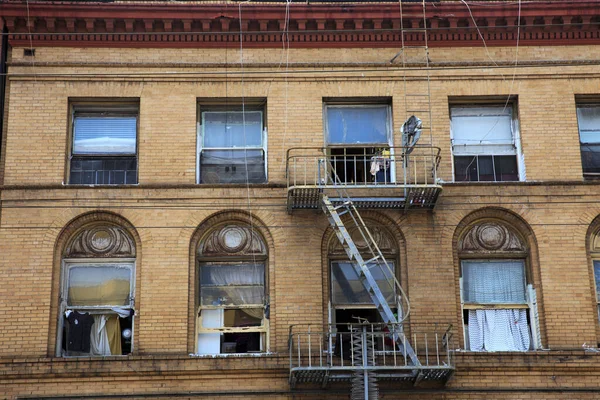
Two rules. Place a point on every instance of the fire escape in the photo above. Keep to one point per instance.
(364, 353)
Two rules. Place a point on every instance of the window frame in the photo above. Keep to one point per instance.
(126, 107)
(216, 106)
(511, 105)
(263, 329)
(579, 105)
(66, 265)
(360, 103)
(530, 304)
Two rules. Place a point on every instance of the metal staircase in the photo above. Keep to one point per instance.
(363, 267)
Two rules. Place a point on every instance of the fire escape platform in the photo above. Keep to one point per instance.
(366, 197)
(326, 354)
(409, 375)
(405, 178)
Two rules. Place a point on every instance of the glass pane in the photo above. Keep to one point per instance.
(597, 278)
(232, 284)
(103, 171)
(481, 125)
(232, 166)
(241, 317)
(231, 295)
(590, 158)
(99, 285)
(491, 282)
(232, 274)
(348, 289)
(104, 135)
(232, 129)
(506, 168)
(465, 169)
(588, 118)
(355, 125)
(485, 164)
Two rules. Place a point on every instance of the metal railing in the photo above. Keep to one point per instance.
(334, 346)
(362, 167)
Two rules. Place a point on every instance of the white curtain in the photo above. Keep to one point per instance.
(100, 345)
(498, 330)
(493, 282)
(234, 284)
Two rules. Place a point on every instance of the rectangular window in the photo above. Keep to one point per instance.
(232, 311)
(232, 145)
(97, 309)
(485, 145)
(359, 139)
(588, 118)
(104, 144)
(496, 307)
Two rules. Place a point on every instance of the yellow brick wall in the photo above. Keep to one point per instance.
(166, 209)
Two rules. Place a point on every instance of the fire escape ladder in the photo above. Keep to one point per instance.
(363, 267)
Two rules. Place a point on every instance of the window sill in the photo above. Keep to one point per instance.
(234, 355)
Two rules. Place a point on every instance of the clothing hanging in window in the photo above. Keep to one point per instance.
(78, 332)
(498, 330)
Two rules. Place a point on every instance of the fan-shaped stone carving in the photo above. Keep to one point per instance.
(491, 237)
(232, 240)
(101, 241)
(382, 237)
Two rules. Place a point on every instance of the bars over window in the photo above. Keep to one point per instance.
(104, 144)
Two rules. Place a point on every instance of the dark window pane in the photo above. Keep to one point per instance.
(118, 178)
(465, 169)
(75, 177)
(131, 177)
(506, 168)
(88, 177)
(486, 168)
(103, 170)
(590, 158)
(232, 166)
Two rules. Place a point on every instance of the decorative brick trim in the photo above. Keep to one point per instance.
(310, 26)
(69, 231)
(208, 225)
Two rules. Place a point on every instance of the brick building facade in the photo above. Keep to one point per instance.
(137, 226)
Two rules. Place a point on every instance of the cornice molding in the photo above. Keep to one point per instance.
(178, 25)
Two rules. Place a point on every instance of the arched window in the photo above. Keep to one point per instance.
(97, 292)
(498, 300)
(348, 297)
(232, 304)
(594, 247)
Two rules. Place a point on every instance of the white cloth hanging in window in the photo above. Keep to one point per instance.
(498, 330)
(99, 337)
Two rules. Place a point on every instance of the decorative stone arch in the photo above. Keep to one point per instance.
(497, 233)
(389, 238)
(96, 234)
(592, 243)
(232, 234)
